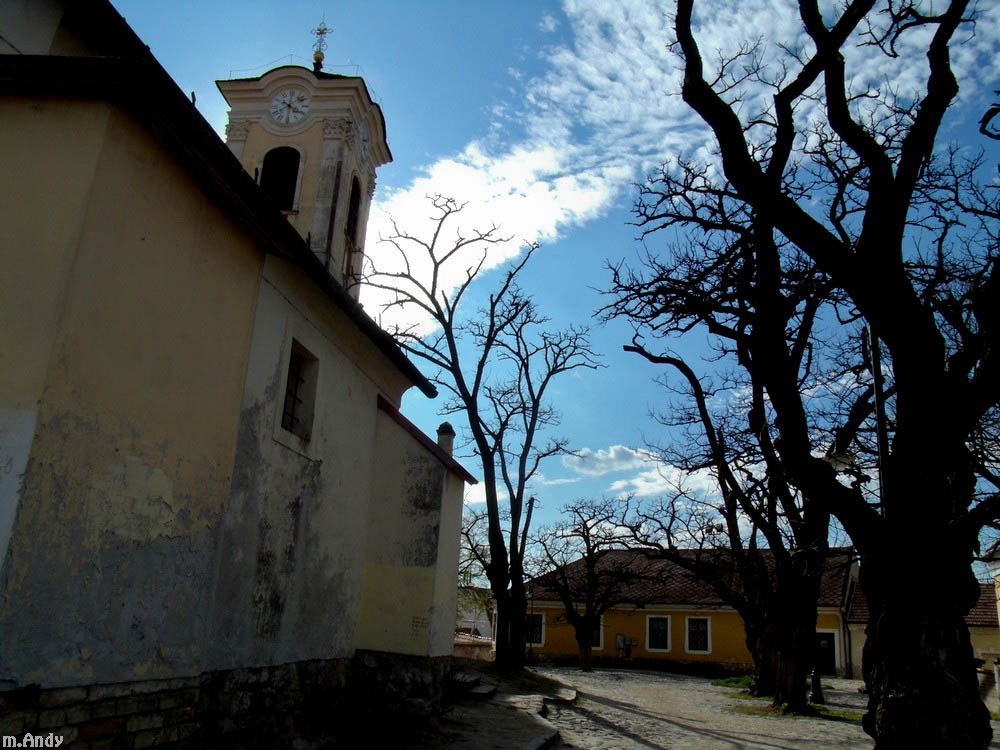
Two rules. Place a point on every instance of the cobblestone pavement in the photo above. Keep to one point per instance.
(633, 710)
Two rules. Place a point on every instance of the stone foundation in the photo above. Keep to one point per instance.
(305, 704)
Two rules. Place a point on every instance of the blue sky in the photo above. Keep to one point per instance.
(541, 114)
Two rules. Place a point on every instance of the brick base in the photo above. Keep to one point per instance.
(310, 704)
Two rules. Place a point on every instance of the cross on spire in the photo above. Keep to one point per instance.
(319, 46)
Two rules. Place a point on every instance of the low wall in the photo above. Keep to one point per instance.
(305, 704)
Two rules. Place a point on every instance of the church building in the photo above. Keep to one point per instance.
(216, 527)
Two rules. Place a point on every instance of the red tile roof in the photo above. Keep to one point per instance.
(662, 581)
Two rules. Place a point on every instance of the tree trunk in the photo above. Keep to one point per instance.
(518, 622)
(760, 642)
(918, 662)
(795, 657)
(501, 635)
(782, 652)
(781, 636)
(585, 649)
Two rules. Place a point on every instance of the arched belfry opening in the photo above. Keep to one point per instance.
(351, 249)
(279, 176)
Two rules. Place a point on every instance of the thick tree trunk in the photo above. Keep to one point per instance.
(918, 662)
(782, 637)
(585, 649)
(501, 635)
(760, 642)
(783, 651)
(518, 622)
(795, 657)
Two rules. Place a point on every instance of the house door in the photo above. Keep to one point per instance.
(826, 653)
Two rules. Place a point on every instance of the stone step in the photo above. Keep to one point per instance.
(481, 692)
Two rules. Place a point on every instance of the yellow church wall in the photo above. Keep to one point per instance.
(40, 224)
(128, 314)
(395, 615)
(408, 602)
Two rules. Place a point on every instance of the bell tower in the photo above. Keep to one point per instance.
(312, 141)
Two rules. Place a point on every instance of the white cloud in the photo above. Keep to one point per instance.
(606, 461)
(663, 479)
(475, 494)
(648, 483)
(549, 23)
(556, 482)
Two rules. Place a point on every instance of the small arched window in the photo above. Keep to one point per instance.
(279, 176)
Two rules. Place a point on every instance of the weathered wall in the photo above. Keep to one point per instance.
(444, 615)
(129, 306)
(402, 543)
(295, 528)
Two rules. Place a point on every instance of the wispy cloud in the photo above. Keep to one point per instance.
(549, 23)
(476, 494)
(665, 480)
(617, 458)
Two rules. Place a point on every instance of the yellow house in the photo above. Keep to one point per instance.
(669, 616)
(209, 499)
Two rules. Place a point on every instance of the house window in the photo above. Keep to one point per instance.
(657, 633)
(698, 638)
(300, 392)
(535, 630)
(279, 176)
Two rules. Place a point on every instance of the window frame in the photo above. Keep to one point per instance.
(687, 634)
(670, 633)
(599, 646)
(309, 364)
(541, 629)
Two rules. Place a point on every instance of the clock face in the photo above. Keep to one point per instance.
(289, 106)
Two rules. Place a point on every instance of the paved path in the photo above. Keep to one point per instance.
(633, 710)
(624, 709)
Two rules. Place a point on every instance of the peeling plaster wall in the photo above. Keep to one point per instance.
(410, 580)
(445, 608)
(155, 519)
(294, 532)
(130, 301)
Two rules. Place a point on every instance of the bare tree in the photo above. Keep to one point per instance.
(760, 544)
(853, 198)
(986, 126)
(588, 569)
(496, 363)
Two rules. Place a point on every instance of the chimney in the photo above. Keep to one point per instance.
(446, 437)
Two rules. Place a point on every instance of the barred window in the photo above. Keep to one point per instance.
(300, 392)
(699, 635)
(658, 633)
